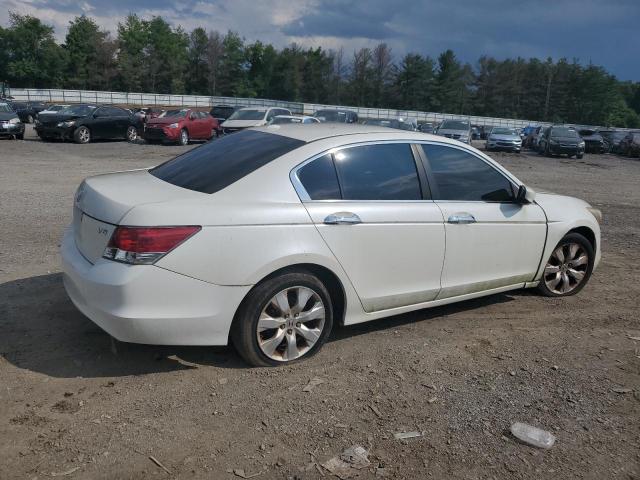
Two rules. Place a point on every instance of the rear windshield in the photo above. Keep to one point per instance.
(218, 164)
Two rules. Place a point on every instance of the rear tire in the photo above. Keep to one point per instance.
(269, 331)
(132, 133)
(569, 267)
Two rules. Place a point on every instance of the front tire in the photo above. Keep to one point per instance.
(82, 135)
(184, 137)
(283, 320)
(569, 268)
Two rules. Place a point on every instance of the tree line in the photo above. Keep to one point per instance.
(150, 55)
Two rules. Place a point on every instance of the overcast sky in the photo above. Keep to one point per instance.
(602, 32)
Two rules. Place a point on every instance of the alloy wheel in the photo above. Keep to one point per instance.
(132, 133)
(84, 135)
(184, 137)
(290, 324)
(566, 268)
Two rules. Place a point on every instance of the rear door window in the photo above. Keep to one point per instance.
(216, 165)
(378, 172)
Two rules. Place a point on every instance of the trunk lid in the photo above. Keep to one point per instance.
(102, 201)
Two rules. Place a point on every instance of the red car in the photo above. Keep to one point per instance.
(181, 126)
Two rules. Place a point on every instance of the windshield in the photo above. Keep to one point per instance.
(564, 132)
(5, 108)
(331, 116)
(454, 125)
(504, 131)
(56, 108)
(80, 110)
(175, 113)
(221, 111)
(248, 115)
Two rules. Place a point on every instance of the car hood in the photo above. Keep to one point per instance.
(242, 123)
(164, 121)
(8, 115)
(505, 138)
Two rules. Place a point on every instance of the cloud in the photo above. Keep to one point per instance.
(587, 30)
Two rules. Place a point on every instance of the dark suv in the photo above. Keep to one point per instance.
(561, 140)
(594, 142)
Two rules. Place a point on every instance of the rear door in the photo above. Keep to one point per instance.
(368, 204)
(492, 241)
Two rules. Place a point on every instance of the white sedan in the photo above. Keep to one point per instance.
(269, 237)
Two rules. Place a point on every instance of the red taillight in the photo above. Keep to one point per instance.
(145, 245)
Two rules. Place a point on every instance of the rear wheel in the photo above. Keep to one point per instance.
(568, 269)
(82, 135)
(283, 320)
(184, 137)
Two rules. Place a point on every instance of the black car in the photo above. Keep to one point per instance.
(594, 142)
(561, 140)
(83, 123)
(10, 123)
(612, 139)
(222, 113)
(28, 111)
(332, 115)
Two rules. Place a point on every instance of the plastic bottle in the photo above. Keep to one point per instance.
(532, 435)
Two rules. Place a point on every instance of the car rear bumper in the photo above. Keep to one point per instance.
(148, 304)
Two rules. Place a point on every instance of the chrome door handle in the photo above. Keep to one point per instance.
(462, 218)
(342, 218)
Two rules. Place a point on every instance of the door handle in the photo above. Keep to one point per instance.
(462, 218)
(342, 218)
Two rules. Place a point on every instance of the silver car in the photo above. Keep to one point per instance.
(456, 129)
(502, 138)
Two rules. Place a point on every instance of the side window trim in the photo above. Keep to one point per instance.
(434, 186)
(425, 187)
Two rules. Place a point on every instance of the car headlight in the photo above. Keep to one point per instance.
(67, 124)
(14, 121)
(581, 144)
(174, 125)
(596, 213)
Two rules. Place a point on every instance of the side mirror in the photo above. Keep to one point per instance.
(525, 195)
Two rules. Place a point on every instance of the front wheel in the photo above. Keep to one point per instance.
(283, 320)
(132, 133)
(82, 135)
(568, 269)
(184, 137)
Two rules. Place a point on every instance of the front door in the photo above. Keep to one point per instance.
(368, 205)
(492, 241)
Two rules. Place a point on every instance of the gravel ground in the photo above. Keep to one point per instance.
(73, 403)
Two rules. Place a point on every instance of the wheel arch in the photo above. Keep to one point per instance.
(587, 233)
(330, 280)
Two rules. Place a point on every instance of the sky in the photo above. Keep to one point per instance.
(605, 33)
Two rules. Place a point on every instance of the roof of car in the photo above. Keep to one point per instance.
(318, 131)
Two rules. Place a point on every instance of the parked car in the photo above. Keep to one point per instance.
(399, 123)
(269, 237)
(52, 109)
(531, 138)
(251, 117)
(84, 123)
(284, 119)
(561, 140)
(594, 142)
(336, 115)
(28, 111)
(147, 113)
(223, 112)
(10, 123)
(630, 144)
(502, 138)
(612, 139)
(456, 129)
(181, 126)
(427, 127)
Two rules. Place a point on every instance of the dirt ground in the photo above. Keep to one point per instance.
(74, 405)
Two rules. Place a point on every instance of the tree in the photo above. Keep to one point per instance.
(215, 51)
(197, 67)
(133, 37)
